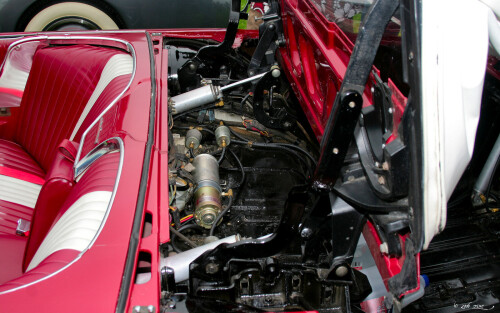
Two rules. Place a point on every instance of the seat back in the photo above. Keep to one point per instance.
(66, 226)
(67, 88)
(76, 222)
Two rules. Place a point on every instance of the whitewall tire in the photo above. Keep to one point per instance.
(79, 14)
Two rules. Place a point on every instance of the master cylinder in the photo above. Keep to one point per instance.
(208, 191)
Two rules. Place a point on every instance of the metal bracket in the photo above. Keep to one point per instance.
(347, 224)
(144, 309)
(209, 59)
(280, 117)
(232, 29)
(5, 112)
(167, 279)
(331, 217)
(336, 139)
(210, 265)
(271, 36)
(347, 106)
(23, 227)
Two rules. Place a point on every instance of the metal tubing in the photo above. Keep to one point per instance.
(195, 98)
(244, 81)
(204, 95)
(484, 178)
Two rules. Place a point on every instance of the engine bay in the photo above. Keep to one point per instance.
(267, 200)
(232, 179)
(222, 145)
(242, 159)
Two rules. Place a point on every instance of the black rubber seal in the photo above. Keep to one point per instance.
(139, 209)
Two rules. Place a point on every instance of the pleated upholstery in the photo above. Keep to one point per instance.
(99, 178)
(60, 84)
(13, 156)
(67, 89)
(75, 227)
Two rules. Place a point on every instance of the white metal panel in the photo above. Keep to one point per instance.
(454, 52)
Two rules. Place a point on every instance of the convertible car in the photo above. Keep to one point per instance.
(306, 166)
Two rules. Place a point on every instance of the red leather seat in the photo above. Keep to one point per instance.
(10, 213)
(15, 161)
(67, 88)
(61, 82)
(59, 234)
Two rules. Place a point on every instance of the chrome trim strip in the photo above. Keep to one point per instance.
(126, 44)
(111, 201)
(100, 150)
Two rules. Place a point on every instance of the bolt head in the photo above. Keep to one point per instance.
(384, 248)
(381, 180)
(341, 271)
(151, 308)
(352, 104)
(335, 150)
(171, 304)
(211, 268)
(306, 233)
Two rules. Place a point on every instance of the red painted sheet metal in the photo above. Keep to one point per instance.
(4, 45)
(156, 205)
(388, 266)
(51, 264)
(161, 147)
(399, 104)
(315, 60)
(216, 34)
